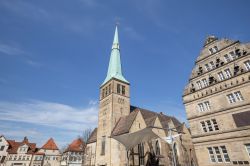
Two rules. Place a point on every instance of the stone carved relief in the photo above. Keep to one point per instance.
(121, 101)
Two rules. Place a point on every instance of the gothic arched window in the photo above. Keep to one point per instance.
(141, 153)
(157, 148)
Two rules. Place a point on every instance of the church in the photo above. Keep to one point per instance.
(121, 126)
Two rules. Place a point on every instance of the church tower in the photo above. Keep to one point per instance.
(114, 103)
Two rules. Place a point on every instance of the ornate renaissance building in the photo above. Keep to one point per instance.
(217, 102)
(118, 118)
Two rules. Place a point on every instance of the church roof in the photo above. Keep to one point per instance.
(77, 145)
(124, 124)
(115, 67)
(93, 136)
(50, 145)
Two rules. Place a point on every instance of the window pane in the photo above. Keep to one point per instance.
(247, 65)
(207, 67)
(248, 148)
(227, 58)
(228, 73)
(238, 96)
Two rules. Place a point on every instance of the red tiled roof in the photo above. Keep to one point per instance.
(15, 145)
(50, 145)
(77, 145)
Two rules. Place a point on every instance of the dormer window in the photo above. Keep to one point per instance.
(233, 55)
(207, 67)
(211, 50)
(212, 64)
(216, 49)
(227, 58)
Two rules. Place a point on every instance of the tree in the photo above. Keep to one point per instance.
(86, 134)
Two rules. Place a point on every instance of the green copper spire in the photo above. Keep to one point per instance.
(115, 67)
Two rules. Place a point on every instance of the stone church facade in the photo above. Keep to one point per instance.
(117, 117)
(217, 102)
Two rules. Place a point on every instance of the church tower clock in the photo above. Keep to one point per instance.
(114, 103)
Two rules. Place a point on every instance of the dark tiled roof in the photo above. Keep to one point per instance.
(242, 119)
(93, 136)
(125, 122)
(15, 145)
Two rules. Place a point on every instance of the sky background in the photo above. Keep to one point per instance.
(54, 55)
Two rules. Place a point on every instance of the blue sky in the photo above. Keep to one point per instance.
(54, 56)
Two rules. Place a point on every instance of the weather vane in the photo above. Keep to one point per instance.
(117, 22)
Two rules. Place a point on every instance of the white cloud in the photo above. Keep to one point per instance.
(10, 50)
(50, 114)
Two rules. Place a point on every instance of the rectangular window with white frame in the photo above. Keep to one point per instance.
(218, 154)
(228, 73)
(201, 107)
(209, 125)
(247, 65)
(205, 106)
(207, 67)
(205, 83)
(235, 97)
(221, 76)
(248, 149)
(199, 85)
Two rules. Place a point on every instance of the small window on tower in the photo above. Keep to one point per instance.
(103, 145)
(103, 93)
(106, 91)
(123, 90)
(118, 88)
(109, 88)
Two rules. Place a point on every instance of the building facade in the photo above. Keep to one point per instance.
(74, 154)
(217, 103)
(25, 153)
(117, 117)
(3, 149)
(20, 153)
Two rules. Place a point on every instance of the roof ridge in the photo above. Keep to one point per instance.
(50, 145)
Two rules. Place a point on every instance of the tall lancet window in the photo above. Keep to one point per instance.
(141, 154)
(103, 145)
(157, 148)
